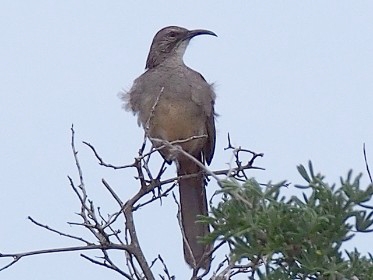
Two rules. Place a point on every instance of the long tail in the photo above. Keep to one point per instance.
(193, 202)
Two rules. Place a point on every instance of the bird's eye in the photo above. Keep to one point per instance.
(172, 35)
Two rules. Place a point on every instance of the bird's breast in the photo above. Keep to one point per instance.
(175, 120)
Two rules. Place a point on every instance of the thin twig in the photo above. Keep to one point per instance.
(185, 240)
(17, 256)
(59, 232)
(366, 163)
(101, 161)
(163, 194)
(110, 266)
(146, 126)
(165, 269)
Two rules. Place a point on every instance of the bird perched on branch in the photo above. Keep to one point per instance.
(175, 104)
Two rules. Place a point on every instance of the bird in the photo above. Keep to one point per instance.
(175, 103)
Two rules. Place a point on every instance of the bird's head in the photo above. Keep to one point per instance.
(171, 41)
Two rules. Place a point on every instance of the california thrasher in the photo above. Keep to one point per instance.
(175, 103)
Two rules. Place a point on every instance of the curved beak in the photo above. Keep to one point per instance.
(192, 33)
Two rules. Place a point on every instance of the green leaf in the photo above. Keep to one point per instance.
(302, 171)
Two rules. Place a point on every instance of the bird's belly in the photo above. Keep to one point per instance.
(174, 121)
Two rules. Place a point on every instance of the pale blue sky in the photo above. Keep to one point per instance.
(293, 80)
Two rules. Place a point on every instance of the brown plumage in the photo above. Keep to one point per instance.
(174, 102)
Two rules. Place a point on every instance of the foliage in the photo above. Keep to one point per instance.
(294, 238)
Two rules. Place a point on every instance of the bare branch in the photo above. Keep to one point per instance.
(174, 148)
(185, 241)
(159, 196)
(97, 228)
(17, 256)
(146, 127)
(101, 162)
(59, 232)
(107, 263)
(165, 269)
(366, 163)
(102, 226)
